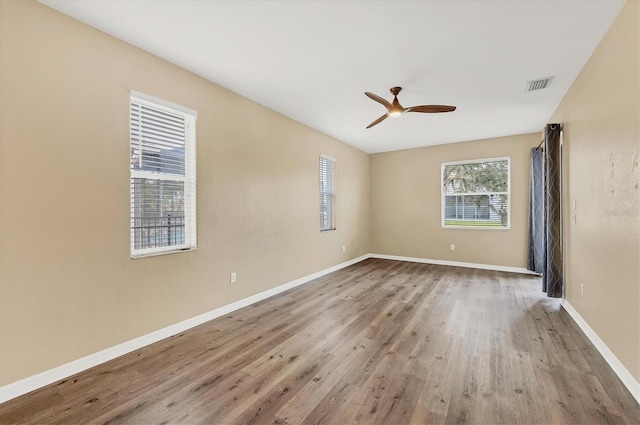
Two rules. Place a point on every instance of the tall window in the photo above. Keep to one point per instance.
(327, 193)
(163, 176)
(475, 194)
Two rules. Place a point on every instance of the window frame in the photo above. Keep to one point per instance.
(332, 192)
(188, 179)
(507, 193)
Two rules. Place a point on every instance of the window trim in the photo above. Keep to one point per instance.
(333, 192)
(189, 177)
(508, 193)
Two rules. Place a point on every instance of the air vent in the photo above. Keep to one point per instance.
(540, 84)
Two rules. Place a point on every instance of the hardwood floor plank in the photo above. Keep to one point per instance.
(322, 383)
(389, 397)
(379, 342)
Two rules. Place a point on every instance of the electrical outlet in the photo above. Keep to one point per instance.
(234, 277)
(582, 289)
(453, 247)
(344, 248)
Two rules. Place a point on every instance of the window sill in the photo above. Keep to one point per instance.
(494, 228)
(153, 254)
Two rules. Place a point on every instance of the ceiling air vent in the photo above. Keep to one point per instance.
(540, 84)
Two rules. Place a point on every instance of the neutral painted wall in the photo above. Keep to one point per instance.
(67, 285)
(601, 116)
(406, 208)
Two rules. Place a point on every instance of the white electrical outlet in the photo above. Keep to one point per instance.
(582, 289)
(234, 277)
(453, 247)
(344, 248)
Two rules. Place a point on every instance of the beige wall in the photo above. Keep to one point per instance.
(67, 285)
(406, 209)
(601, 116)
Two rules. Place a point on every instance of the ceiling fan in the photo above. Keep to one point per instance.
(395, 109)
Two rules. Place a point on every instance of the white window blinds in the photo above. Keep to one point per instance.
(163, 171)
(327, 193)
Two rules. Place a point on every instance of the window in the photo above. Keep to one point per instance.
(163, 176)
(475, 194)
(327, 193)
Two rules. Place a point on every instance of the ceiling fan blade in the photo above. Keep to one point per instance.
(379, 99)
(431, 108)
(378, 121)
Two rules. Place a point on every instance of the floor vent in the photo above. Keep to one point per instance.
(540, 84)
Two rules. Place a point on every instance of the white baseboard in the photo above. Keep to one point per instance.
(625, 376)
(455, 264)
(40, 380)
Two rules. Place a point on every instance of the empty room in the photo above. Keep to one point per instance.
(306, 212)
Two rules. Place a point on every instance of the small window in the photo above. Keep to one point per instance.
(475, 194)
(163, 176)
(327, 193)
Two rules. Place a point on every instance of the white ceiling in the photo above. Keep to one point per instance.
(313, 60)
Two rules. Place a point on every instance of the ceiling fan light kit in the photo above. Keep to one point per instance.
(395, 109)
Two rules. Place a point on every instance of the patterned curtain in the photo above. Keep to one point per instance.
(545, 220)
(552, 278)
(536, 258)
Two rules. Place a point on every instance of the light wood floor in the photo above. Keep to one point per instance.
(380, 342)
